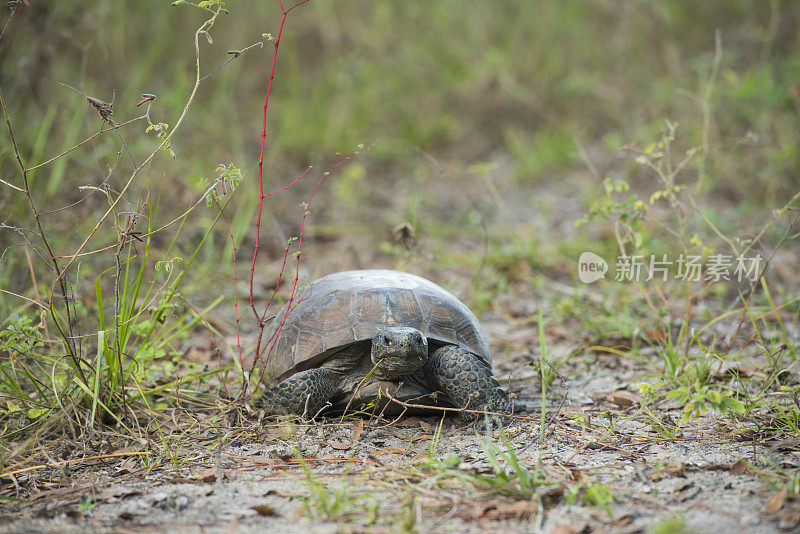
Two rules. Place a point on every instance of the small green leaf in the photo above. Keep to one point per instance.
(735, 405)
(36, 413)
(600, 495)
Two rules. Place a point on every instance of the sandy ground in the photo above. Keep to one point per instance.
(710, 473)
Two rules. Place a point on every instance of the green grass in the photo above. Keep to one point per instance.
(671, 525)
(509, 476)
(136, 319)
(326, 501)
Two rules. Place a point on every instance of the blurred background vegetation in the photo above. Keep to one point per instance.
(464, 82)
(539, 84)
(513, 100)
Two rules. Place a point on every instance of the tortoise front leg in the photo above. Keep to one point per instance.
(305, 393)
(465, 379)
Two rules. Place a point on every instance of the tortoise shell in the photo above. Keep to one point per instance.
(352, 306)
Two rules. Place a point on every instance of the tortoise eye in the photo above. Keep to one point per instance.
(386, 340)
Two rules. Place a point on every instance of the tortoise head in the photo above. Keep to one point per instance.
(398, 351)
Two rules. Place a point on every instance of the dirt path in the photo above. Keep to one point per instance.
(390, 476)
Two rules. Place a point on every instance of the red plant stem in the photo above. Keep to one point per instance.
(262, 196)
(261, 324)
(285, 13)
(288, 307)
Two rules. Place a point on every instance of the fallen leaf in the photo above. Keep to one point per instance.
(622, 398)
(682, 485)
(358, 426)
(775, 502)
(568, 529)
(116, 493)
(739, 467)
(338, 445)
(624, 520)
(389, 450)
(516, 510)
(194, 354)
(127, 466)
(748, 371)
(265, 510)
(674, 468)
(656, 335)
(737, 369)
(551, 493)
(75, 515)
(408, 422)
(208, 475)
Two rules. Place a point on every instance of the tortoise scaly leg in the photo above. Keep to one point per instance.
(465, 379)
(305, 393)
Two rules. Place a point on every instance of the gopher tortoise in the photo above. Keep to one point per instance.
(350, 334)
